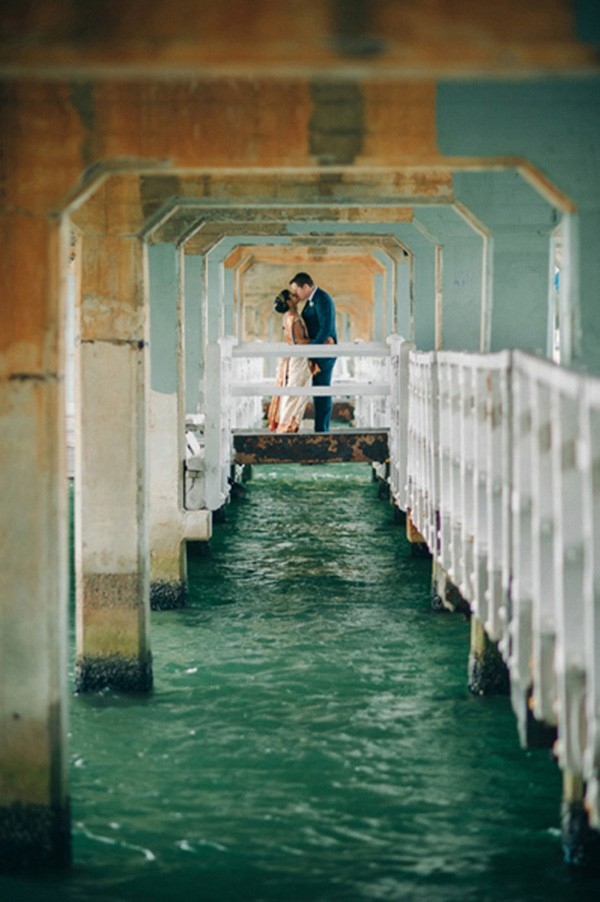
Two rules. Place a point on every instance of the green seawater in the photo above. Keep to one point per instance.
(310, 735)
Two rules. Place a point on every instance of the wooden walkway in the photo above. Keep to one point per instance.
(342, 446)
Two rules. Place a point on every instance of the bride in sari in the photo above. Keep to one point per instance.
(286, 411)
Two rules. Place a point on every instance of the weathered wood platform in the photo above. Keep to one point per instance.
(342, 446)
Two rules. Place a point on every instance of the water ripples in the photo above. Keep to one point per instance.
(310, 735)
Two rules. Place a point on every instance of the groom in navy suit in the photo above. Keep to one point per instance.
(319, 316)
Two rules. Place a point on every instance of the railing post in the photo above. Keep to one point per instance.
(217, 434)
(589, 452)
(543, 612)
(399, 417)
(521, 593)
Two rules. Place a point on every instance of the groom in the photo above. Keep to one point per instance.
(319, 316)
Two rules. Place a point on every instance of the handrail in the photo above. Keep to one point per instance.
(503, 481)
(282, 349)
(268, 387)
(373, 393)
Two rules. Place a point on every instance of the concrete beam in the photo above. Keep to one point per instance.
(317, 38)
(364, 446)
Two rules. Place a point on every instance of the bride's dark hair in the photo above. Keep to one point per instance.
(281, 303)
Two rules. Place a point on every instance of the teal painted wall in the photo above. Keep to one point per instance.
(521, 222)
(554, 123)
(163, 279)
(193, 334)
(462, 256)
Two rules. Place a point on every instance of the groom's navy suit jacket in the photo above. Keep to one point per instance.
(319, 316)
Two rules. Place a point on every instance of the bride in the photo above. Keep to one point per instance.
(286, 411)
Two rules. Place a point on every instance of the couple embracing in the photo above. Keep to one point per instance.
(315, 325)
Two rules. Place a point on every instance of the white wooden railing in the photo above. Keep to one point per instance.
(235, 386)
(503, 482)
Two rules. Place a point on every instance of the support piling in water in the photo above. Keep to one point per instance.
(538, 735)
(94, 673)
(34, 838)
(488, 674)
(168, 595)
(580, 843)
(417, 542)
(445, 596)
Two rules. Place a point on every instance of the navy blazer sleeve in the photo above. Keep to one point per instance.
(325, 310)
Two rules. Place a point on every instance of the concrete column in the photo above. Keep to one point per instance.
(404, 299)
(170, 523)
(34, 802)
(193, 287)
(111, 503)
(168, 578)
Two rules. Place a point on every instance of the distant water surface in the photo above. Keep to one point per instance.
(310, 736)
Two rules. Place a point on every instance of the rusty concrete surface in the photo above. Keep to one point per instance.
(345, 446)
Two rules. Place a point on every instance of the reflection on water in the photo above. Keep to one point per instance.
(310, 735)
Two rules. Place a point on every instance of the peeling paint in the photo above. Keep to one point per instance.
(329, 447)
(82, 101)
(337, 123)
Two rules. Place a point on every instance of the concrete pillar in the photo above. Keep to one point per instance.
(111, 503)
(488, 674)
(34, 801)
(193, 286)
(170, 523)
(404, 324)
(168, 576)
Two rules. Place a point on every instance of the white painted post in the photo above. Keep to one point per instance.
(398, 439)
(568, 570)
(217, 429)
(467, 475)
(589, 454)
(433, 461)
(445, 457)
(481, 478)
(498, 487)
(543, 612)
(520, 625)
(456, 515)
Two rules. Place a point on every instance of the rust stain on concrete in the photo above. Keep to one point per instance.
(329, 447)
(337, 122)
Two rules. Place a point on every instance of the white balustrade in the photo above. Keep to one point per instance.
(497, 460)
(236, 384)
(507, 447)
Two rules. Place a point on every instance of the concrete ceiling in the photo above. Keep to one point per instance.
(350, 39)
